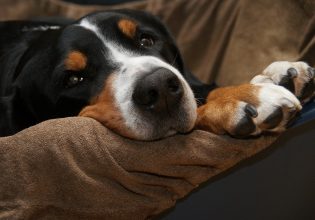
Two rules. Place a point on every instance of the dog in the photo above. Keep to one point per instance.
(123, 68)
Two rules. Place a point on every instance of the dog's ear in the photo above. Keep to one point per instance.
(11, 52)
(28, 54)
(18, 41)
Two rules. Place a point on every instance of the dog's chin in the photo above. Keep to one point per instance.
(158, 129)
(150, 129)
(159, 134)
(168, 133)
(144, 127)
(149, 126)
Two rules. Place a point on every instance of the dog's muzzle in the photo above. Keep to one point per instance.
(159, 92)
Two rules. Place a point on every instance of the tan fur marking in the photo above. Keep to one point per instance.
(127, 27)
(104, 109)
(76, 61)
(217, 114)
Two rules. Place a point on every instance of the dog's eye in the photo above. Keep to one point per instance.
(146, 40)
(74, 80)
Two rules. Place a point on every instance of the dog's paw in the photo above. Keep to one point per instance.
(297, 77)
(248, 110)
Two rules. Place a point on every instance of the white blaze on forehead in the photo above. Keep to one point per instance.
(133, 67)
(88, 25)
(123, 56)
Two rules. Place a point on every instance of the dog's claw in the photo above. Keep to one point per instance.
(311, 72)
(297, 77)
(251, 111)
(292, 73)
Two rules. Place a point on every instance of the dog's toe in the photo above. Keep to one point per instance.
(273, 120)
(244, 127)
(248, 110)
(297, 77)
(277, 107)
(307, 91)
(287, 81)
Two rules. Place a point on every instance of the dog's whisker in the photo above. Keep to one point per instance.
(198, 101)
(174, 59)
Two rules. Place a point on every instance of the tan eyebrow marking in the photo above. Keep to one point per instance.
(127, 27)
(76, 61)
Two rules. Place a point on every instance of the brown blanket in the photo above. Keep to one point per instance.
(74, 168)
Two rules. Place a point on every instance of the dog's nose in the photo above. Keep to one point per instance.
(159, 91)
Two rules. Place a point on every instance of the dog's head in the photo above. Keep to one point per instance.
(123, 69)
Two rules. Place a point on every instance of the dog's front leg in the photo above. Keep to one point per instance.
(264, 105)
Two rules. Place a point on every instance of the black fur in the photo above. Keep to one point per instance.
(33, 80)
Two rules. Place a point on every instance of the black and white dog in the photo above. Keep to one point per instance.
(123, 69)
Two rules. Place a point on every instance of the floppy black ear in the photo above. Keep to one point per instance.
(15, 40)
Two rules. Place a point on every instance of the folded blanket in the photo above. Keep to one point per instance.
(74, 168)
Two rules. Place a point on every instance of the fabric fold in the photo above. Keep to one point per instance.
(65, 168)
